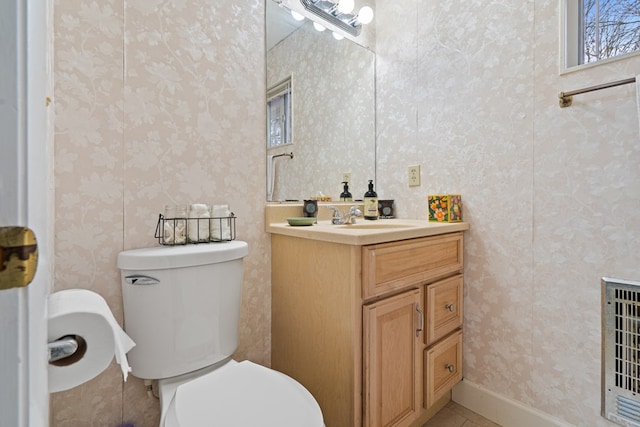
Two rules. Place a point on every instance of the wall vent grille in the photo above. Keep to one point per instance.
(621, 351)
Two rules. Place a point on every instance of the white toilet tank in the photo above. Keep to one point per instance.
(181, 306)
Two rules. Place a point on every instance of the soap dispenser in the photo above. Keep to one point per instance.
(346, 196)
(370, 203)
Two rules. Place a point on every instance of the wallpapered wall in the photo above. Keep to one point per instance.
(469, 93)
(552, 195)
(156, 103)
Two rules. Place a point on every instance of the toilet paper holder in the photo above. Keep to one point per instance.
(64, 347)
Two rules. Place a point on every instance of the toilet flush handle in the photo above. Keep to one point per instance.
(138, 279)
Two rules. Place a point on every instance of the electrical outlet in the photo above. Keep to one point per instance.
(414, 176)
(346, 177)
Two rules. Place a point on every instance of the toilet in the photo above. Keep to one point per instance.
(182, 309)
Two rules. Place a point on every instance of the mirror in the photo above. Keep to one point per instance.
(332, 108)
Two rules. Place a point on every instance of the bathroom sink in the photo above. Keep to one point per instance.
(363, 232)
(375, 226)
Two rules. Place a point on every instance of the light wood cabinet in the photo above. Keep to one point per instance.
(390, 266)
(366, 329)
(443, 367)
(393, 360)
(444, 308)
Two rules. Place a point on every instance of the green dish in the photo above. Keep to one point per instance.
(302, 221)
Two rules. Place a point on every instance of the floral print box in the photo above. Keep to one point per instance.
(445, 207)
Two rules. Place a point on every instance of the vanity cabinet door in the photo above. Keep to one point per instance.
(442, 367)
(444, 308)
(389, 267)
(392, 357)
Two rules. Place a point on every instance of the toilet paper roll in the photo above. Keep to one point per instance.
(85, 315)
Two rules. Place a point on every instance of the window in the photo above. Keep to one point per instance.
(596, 30)
(279, 100)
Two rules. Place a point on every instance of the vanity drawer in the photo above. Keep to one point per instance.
(442, 368)
(390, 266)
(443, 308)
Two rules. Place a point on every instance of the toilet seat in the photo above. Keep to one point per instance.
(243, 394)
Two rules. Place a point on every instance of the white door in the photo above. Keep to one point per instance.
(25, 166)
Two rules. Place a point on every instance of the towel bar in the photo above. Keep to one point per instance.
(566, 98)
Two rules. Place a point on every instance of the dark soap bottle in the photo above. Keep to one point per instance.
(371, 203)
(346, 196)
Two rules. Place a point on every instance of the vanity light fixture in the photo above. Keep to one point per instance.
(335, 15)
(340, 14)
(319, 27)
(346, 6)
(297, 16)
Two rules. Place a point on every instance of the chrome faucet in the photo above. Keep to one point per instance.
(340, 217)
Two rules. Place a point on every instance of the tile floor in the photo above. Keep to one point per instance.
(454, 415)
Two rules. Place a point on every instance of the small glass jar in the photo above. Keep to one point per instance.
(198, 223)
(175, 225)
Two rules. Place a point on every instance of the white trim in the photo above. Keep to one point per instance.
(598, 63)
(570, 40)
(13, 303)
(26, 191)
(39, 200)
(500, 409)
(569, 34)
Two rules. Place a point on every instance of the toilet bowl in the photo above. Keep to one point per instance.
(182, 308)
(239, 395)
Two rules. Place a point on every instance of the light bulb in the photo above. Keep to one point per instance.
(337, 36)
(297, 16)
(365, 15)
(318, 27)
(346, 6)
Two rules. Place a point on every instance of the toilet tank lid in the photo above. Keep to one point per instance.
(164, 257)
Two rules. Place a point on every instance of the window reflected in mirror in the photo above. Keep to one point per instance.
(279, 100)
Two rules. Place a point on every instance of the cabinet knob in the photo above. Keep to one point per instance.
(450, 307)
(450, 368)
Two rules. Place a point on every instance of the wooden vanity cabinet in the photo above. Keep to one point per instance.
(366, 328)
(443, 367)
(444, 308)
(316, 322)
(392, 359)
(388, 267)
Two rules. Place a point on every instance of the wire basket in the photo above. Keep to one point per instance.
(183, 231)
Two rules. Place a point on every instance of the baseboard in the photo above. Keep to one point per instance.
(500, 409)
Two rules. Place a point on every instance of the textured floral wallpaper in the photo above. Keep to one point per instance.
(156, 103)
(163, 102)
(333, 86)
(552, 195)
